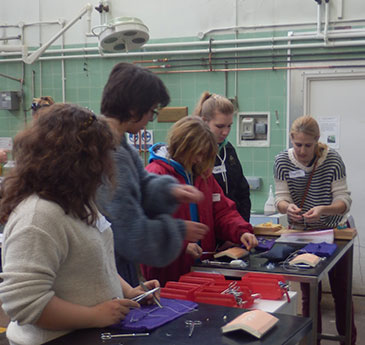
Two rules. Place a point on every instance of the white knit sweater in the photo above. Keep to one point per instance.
(45, 253)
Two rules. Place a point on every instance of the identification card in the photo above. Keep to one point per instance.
(216, 197)
(296, 173)
(219, 169)
(102, 224)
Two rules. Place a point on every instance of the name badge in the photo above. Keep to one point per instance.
(296, 173)
(216, 197)
(219, 169)
(102, 224)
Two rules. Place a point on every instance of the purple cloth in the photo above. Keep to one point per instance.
(150, 317)
(265, 243)
(322, 249)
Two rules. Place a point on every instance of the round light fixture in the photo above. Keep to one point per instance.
(123, 34)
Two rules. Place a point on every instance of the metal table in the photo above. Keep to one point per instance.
(311, 276)
(289, 331)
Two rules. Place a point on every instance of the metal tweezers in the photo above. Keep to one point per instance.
(145, 288)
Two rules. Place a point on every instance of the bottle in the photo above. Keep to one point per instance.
(269, 207)
(7, 167)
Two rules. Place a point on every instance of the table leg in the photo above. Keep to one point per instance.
(349, 296)
(313, 309)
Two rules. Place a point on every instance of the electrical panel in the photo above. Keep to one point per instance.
(253, 129)
(9, 100)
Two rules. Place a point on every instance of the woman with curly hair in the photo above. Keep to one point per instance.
(59, 270)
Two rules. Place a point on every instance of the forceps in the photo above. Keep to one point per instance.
(145, 288)
(108, 336)
(192, 324)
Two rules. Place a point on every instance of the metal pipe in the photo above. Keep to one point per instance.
(10, 38)
(272, 68)
(319, 21)
(288, 91)
(33, 84)
(63, 74)
(36, 54)
(339, 9)
(355, 33)
(7, 48)
(10, 77)
(326, 20)
(246, 57)
(201, 51)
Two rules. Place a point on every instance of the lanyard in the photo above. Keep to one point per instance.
(224, 174)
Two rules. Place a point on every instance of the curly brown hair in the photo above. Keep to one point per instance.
(63, 157)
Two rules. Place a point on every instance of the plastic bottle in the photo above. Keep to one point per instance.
(269, 207)
(7, 167)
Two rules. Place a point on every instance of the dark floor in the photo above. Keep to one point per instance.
(328, 320)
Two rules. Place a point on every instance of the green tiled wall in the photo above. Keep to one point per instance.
(262, 91)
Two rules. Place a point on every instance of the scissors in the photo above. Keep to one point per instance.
(192, 324)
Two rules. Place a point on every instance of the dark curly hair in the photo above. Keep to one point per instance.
(132, 88)
(63, 157)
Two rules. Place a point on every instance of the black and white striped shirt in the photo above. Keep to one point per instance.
(328, 184)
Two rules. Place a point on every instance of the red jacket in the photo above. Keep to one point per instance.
(216, 211)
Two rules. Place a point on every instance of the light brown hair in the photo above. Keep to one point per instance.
(308, 125)
(210, 103)
(189, 137)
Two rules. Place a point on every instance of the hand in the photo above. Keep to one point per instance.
(111, 312)
(313, 214)
(195, 231)
(249, 240)
(187, 194)
(151, 284)
(294, 212)
(3, 156)
(194, 250)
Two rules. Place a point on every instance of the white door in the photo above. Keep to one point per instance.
(343, 98)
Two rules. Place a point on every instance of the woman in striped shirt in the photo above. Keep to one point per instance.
(311, 188)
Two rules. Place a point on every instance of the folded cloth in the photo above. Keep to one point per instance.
(322, 249)
(265, 243)
(150, 317)
(279, 252)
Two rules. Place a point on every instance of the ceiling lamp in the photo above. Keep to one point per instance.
(123, 34)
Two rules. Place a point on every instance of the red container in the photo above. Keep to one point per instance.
(215, 298)
(267, 285)
(213, 295)
(197, 280)
(179, 290)
(215, 276)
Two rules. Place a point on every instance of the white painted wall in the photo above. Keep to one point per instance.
(170, 18)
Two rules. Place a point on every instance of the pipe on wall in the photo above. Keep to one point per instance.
(36, 54)
(203, 51)
(334, 34)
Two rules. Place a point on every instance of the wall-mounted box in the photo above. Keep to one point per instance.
(254, 182)
(253, 129)
(9, 100)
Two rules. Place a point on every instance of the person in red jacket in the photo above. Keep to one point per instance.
(189, 157)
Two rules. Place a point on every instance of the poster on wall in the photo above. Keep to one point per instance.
(6, 143)
(330, 131)
(146, 139)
